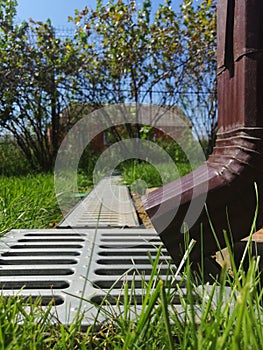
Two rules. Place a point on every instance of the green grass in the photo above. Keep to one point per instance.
(28, 202)
(225, 315)
(141, 175)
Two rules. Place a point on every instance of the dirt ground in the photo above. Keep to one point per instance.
(140, 210)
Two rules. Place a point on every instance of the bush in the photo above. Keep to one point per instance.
(12, 160)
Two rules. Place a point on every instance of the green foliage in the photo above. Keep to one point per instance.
(199, 100)
(165, 58)
(22, 206)
(129, 49)
(88, 161)
(25, 324)
(121, 52)
(12, 160)
(142, 175)
(36, 84)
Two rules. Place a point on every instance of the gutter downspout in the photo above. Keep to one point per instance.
(236, 163)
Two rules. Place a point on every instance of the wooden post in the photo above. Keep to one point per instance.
(236, 163)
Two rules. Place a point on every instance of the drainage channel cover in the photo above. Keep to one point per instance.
(69, 265)
(108, 204)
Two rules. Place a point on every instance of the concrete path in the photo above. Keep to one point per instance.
(108, 204)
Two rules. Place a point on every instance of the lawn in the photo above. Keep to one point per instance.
(28, 202)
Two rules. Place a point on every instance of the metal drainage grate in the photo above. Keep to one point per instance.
(108, 204)
(65, 264)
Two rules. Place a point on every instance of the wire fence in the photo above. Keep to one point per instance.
(61, 32)
(197, 104)
(64, 32)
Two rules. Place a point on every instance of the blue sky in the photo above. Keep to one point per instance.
(58, 10)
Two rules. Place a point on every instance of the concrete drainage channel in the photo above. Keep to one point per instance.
(67, 265)
(109, 204)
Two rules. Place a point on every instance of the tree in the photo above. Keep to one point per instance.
(199, 98)
(130, 46)
(36, 83)
(120, 53)
(166, 58)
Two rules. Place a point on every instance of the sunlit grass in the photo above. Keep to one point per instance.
(28, 202)
(139, 175)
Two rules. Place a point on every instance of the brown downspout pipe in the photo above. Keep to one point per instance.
(237, 159)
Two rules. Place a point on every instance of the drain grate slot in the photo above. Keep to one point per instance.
(50, 239)
(50, 285)
(123, 235)
(36, 272)
(50, 246)
(116, 253)
(131, 261)
(40, 253)
(119, 299)
(38, 262)
(128, 240)
(111, 283)
(55, 234)
(47, 300)
(123, 271)
(44, 300)
(121, 246)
